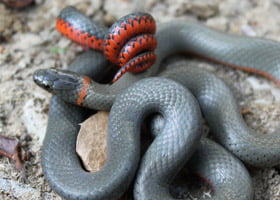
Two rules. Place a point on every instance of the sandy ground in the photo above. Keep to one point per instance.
(29, 41)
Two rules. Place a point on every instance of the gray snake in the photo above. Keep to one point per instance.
(62, 168)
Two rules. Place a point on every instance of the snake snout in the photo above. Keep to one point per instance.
(42, 79)
(54, 80)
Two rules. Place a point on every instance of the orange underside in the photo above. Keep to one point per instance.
(120, 35)
(245, 68)
(78, 36)
(113, 47)
(142, 43)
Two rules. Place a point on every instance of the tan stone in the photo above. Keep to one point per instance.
(91, 141)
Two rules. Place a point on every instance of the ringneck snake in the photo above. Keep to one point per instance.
(129, 43)
(130, 104)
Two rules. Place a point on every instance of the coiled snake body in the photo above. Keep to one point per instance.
(169, 151)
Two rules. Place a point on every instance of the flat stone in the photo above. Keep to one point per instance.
(91, 142)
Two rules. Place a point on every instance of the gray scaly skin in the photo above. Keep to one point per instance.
(226, 123)
(258, 54)
(59, 145)
(214, 98)
(255, 55)
(218, 167)
(171, 148)
(145, 171)
(69, 180)
(113, 179)
(226, 174)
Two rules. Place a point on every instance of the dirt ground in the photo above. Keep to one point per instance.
(29, 41)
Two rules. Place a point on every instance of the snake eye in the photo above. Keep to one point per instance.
(47, 87)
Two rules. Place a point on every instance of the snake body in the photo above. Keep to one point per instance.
(226, 123)
(129, 43)
(63, 170)
(222, 170)
(66, 176)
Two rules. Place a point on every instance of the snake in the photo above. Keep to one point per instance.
(60, 164)
(129, 43)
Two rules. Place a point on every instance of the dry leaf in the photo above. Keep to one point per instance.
(10, 148)
(17, 3)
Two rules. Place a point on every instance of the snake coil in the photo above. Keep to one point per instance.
(228, 176)
(129, 43)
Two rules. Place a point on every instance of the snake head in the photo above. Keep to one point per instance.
(56, 81)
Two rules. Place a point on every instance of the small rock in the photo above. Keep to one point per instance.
(91, 141)
(109, 19)
(248, 30)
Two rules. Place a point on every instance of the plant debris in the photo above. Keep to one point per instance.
(17, 3)
(10, 148)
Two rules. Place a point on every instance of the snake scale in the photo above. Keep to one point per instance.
(131, 100)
